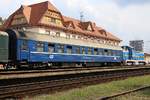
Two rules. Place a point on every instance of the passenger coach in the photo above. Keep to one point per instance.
(34, 49)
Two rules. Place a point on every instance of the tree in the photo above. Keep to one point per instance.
(2, 20)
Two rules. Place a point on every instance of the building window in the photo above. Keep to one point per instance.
(60, 48)
(51, 48)
(74, 36)
(53, 34)
(68, 36)
(53, 20)
(58, 22)
(69, 49)
(40, 47)
(79, 37)
(48, 32)
(85, 38)
(19, 21)
(24, 45)
(57, 34)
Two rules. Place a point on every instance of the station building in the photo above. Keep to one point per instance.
(147, 58)
(44, 18)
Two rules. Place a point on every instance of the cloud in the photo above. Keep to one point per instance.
(129, 23)
(27, 2)
(4, 4)
(128, 19)
(131, 2)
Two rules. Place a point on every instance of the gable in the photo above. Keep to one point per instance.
(51, 17)
(71, 25)
(19, 19)
(89, 28)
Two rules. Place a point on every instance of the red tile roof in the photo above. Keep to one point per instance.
(34, 13)
(147, 54)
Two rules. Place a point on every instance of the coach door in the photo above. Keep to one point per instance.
(24, 54)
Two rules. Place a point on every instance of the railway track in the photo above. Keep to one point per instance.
(3, 72)
(7, 72)
(31, 87)
(53, 72)
(15, 72)
(124, 93)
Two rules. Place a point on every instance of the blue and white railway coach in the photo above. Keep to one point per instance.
(40, 35)
(39, 49)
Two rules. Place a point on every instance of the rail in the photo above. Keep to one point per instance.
(124, 93)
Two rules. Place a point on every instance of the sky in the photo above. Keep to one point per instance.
(127, 19)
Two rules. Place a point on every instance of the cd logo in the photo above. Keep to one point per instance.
(51, 56)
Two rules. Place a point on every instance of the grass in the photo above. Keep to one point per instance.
(96, 91)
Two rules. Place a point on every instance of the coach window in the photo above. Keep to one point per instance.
(95, 51)
(105, 52)
(51, 48)
(112, 53)
(24, 45)
(69, 49)
(60, 48)
(118, 53)
(40, 47)
(100, 52)
(90, 51)
(109, 52)
(83, 50)
(77, 50)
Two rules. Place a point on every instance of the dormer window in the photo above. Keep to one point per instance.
(89, 28)
(103, 32)
(69, 24)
